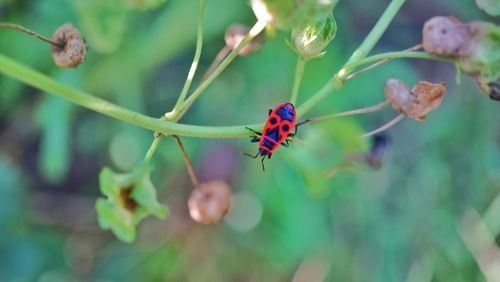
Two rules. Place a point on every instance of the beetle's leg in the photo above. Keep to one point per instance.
(255, 139)
(270, 111)
(253, 157)
(254, 131)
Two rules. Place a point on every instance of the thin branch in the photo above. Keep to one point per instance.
(153, 147)
(30, 32)
(254, 31)
(366, 110)
(196, 59)
(218, 59)
(299, 72)
(368, 68)
(189, 167)
(388, 125)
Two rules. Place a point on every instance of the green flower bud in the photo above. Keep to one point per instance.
(309, 40)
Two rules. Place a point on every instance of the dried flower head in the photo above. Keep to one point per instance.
(446, 36)
(417, 103)
(236, 33)
(209, 202)
(73, 50)
(427, 97)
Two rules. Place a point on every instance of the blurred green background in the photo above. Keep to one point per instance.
(402, 222)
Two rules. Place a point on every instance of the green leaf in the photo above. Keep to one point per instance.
(130, 198)
(491, 7)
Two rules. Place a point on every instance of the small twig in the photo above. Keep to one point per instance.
(30, 32)
(218, 59)
(189, 167)
(370, 67)
(154, 146)
(388, 125)
(366, 110)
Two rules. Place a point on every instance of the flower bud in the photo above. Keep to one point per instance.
(236, 33)
(209, 202)
(73, 50)
(310, 39)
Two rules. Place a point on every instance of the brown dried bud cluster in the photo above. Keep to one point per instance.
(236, 33)
(417, 103)
(447, 36)
(209, 202)
(73, 48)
(492, 89)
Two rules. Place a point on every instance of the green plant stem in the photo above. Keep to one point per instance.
(394, 55)
(254, 31)
(38, 80)
(153, 147)
(336, 82)
(299, 72)
(376, 32)
(196, 59)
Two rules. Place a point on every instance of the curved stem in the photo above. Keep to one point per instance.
(196, 59)
(384, 57)
(192, 175)
(374, 36)
(38, 80)
(30, 32)
(386, 126)
(254, 31)
(381, 62)
(366, 110)
(299, 72)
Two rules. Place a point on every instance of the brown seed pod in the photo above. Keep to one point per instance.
(73, 50)
(398, 95)
(417, 103)
(235, 34)
(426, 98)
(446, 36)
(209, 202)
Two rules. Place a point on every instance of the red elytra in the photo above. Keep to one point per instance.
(278, 127)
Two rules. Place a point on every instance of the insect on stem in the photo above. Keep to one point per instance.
(30, 32)
(189, 167)
(385, 127)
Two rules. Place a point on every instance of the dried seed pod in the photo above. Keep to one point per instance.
(446, 36)
(426, 98)
(73, 50)
(417, 103)
(236, 33)
(398, 95)
(209, 202)
(492, 89)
